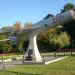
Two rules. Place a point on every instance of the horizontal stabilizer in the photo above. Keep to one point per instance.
(4, 40)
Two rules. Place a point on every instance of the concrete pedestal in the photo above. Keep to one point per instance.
(32, 53)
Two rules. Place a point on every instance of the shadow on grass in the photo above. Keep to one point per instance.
(73, 55)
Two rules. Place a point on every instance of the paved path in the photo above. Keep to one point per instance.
(20, 61)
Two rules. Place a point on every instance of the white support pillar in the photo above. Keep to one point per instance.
(32, 53)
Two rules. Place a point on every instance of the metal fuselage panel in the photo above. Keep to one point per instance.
(54, 21)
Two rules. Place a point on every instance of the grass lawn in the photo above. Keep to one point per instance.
(63, 67)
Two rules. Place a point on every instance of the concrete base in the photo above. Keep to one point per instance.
(32, 62)
(45, 62)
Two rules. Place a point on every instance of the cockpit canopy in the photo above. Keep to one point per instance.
(48, 16)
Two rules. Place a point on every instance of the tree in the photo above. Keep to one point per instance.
(64, 39)
(70, 26)
(16, 26)
(53, 39)
(5, 29)
(44, 39)
(68, 6)
(28, 25)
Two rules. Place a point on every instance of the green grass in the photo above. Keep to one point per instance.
(63, 67)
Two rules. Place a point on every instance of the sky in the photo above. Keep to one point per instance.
(28, 10)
